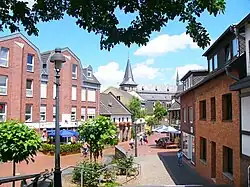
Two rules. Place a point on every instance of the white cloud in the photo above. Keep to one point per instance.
(182, 70)
(165, 43)
(111, 74)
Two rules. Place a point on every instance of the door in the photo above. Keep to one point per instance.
(213, 160)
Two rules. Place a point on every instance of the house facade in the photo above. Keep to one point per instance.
(188, 108)
(243, 86)
(111, 107)
(27, 86)
(19, 79)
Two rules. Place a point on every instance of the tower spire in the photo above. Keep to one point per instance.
(177, 78)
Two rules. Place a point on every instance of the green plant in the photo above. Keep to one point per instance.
(101, 17)
(91, 173)
(64, 148)
(111, 184)
(125, 164)
(159, 111)
(135, 109)
(98, 132)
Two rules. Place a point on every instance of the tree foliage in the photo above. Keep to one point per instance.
(159, 111)
(100, 17)
(97, 133)
(135, 108)
(18, 142)
(151, 120)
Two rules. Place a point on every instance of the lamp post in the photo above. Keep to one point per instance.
(58, 59)
(135, 130)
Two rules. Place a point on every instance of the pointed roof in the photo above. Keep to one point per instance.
(177, 78)
(128, 78)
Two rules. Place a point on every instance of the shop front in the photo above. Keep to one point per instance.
(188, 146)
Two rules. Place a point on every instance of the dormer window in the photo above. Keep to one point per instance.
(89, 74)
(156, 89)
(213, 63)
(235, 47)
(142, 88)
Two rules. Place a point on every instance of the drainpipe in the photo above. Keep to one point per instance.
(230, 75)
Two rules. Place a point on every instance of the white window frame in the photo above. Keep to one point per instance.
(74, 74)
(74, 95)
(83, 94)
(91, 91)
(4, 115)
(215, 62)
(4, 87)
(1, 58)
(185, 115)
(235, 45)
(33, 62)
(54, 113)
(54, 91)
(43, 113)
(89, 74)
(29, 91)
(26, 114)
(44, 85)
(83, 113)
(90, 115)
(73, 116)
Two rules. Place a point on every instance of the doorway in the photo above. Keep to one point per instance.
(213, 160)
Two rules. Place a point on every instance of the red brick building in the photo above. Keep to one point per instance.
(217, 116)
(19, 79)
(187, 99)
(27, 89)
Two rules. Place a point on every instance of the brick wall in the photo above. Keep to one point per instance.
(223, 133)
(17, 74)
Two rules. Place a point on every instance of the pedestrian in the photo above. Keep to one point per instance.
(131, 143)
(145, 138)
(141, 139)
(179, 157)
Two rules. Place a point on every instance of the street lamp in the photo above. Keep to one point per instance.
(137, 122)
(58, 59)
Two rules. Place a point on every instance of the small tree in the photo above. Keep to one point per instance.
(159, 111)
(135, 108)
(18, 142)
(97, 133)
(151, 121)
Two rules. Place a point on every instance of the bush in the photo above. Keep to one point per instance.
(125, 164)
(91, 173)
(64, 148)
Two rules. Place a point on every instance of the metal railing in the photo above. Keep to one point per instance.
(23, 178)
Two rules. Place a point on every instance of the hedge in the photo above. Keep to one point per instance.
(65, 149)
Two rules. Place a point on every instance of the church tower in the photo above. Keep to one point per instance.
(128, 83)
(177, 79)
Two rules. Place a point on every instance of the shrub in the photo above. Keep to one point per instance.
(91, 173)
(125, 164)
(64, 148)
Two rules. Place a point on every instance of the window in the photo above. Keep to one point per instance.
(213, 109)
(30, 63)
(184, 114)
(227, 160)
(215, 63)
(89, 74)
(91, 95)
(187, 83)
(43, 113)
(28, 113)
(54, 91)
(122, 119)
(54, 113)
(190, 114)
(4, 56)
(118, 97)
(127, 119)
(73, 92)
(114, 120)
(29, 88)
(203, 148)
(83, 110)
(227, 107)
(73, 114)
(3, 112)
(91, 113)
(235, 47)
(227, 53)
(74, 71)
(83, 94)
(43, 90)
(203, 110)
(3, 85)
(210, 64)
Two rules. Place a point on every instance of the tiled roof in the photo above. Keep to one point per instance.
(156, 96)
(156, 88)
(175, 106)
(91, 79)
(112, 106)
(128, 78)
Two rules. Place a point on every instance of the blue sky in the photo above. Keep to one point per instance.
(154, 64)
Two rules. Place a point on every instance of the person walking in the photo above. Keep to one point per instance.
(141, 139)
(131, 143)
(179, 157)
(145, 138)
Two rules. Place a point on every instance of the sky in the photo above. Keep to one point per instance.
(156, 63)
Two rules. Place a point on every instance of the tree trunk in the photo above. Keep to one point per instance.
(90, 155)
(14, 172)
